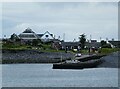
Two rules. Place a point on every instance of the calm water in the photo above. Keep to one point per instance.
(42, 75)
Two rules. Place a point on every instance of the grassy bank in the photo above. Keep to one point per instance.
(106, 51)
(18, 50)
(102, 51)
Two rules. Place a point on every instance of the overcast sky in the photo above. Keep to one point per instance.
(72, 19)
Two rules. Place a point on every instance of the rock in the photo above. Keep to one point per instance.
(111, 61)
(32, 56)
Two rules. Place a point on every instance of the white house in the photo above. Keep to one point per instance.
(28, 34)
(46, 36)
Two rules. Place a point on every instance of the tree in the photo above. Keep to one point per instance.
(14, 37)
(82, 39)
(36, 42)
(105, 45)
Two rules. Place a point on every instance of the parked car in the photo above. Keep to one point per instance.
(78, 55)
(75, 50)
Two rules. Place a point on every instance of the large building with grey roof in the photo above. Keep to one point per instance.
(28, 34)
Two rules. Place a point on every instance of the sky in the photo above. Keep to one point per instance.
(98, 19)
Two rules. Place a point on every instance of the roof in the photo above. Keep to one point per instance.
(16, 36)
(70, 43)
(40, 35)
(115, 43)
(28, 30)
(93, 40)
(48, 33)
(28, 34)
(93, 44)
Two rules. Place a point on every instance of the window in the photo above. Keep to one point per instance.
(27, 36)
(46, 35)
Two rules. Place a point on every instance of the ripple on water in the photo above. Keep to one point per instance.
(42, 75)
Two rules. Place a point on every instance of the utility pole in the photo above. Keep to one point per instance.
(100, 39)
(58, 37)
(107, 40)
(90, 44)
(90, 38)
(63, 36)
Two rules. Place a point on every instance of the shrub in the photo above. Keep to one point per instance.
(106, 46)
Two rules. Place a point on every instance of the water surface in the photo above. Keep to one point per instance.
(42, 75)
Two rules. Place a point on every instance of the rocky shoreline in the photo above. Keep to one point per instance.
(111, 61)
(33, 56)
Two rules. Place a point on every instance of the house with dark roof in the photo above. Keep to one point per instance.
(114, 44)
(93, 45)
(70, 45)
(93, 41)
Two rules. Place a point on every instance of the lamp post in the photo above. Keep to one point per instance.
(90, 44)
(89, 48)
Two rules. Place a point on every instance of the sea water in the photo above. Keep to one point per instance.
(42, 75)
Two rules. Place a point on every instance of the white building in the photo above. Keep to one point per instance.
(46, 36)
(28, 34)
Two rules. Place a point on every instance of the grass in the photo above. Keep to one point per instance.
(84, 51)
(14, 46)
(43, 48)
(48, 48)
(102, 51)
(108, 50)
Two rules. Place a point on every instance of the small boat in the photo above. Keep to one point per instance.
(77, 65)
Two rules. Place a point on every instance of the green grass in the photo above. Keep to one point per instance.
(84, 51)
(15, 46)
(48, 48)
(103, 51)
(43, 48)
(109, 50)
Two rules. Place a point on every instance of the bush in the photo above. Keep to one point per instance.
(106, 46)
